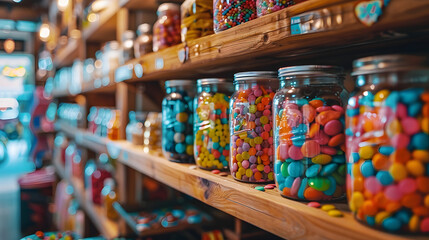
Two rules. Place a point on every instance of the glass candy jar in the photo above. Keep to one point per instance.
(197, 19)
(166, 30)
(252, 153)
(177, 121)
(264, 7)
(309, 133)
(143, 43)
(387, 138)
(230, 13)
(152, 132)
(211, 148)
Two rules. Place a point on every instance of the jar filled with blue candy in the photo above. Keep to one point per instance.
(177, 121)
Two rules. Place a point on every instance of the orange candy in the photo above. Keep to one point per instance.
(423, 184)
(393, 206)
(326, 116)
(400, 156)
(252, 151)
(312, 194)
(260, 107)
(369, 208)
(265, 101)
(251, 125)
(358, 184)
(336, 140)
(286, 191)
(314, 128)
(380, 200)
(425, 96)
(308, 112)
(316, 103)
(411, 200)
(421, 211)
(425, 110)
(380, 162)
(265, 157)
(257, 176)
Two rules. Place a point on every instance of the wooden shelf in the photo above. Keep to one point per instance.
(66, 55)
(267, 210)
(106, 227)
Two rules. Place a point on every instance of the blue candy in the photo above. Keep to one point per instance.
(352, 112)
(403, 215)
(279, 178)
(332, 186)
(349, 132)
(339, 158)
(289, 181)
(384, 178)
(355, 157)
(386, 150)
(301, 129)
(367, 169)
(296, 169)
(328, 169)
(420, 141)
(370, 220)
(411, 95)
(179, 107)
(179, 127)
(298, 141)
(313, 170)
(277, 166)
(414, 109)
(301, 102)
(391, 224)
(302, 188)
(392, 100)
(180, 148)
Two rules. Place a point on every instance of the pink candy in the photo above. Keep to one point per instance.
(295, 153)
(333, 127)
(410, 125)
(407, 185)
(400, 141)
(373, 185)
(393, 193)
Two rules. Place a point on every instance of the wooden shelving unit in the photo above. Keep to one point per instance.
(268, 210)
(106, 227)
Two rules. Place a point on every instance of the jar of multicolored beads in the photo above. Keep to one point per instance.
(166, 30)
(177, 121)
(387, 138)
(251, 122)
(211, 129)
(264, 7)
(309, 144)
(230, 13)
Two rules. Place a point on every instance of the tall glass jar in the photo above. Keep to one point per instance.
(388, 143)
(197, 19)
(230, 13)
(211, 144)
(112, 57)
(152, 132)
(113, 125)
(251, 122)
(143, 44)
(309, 133)
(128, 45)
(264, 7)
(166, 30)
(177, 121)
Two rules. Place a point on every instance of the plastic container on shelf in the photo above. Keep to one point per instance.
(264, 7)
(197, 19)
(166, 30)
(177, 121)
(230, 13)
(309, 144)
(211, 114)
(251, 121)
(113, 125)
(143, 43)
(387, 139)
(130, 126)
(152, 136)
(128, 45)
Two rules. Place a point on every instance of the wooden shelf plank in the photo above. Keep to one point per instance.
(268, 210)
(106, 227)
(66, 55)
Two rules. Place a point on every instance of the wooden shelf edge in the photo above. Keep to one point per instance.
(267, 210)
(66, 55)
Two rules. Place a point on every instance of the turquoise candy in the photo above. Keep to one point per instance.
(367, 100)
(180, 148)
(355, 157)
(281, 186)
(420, 141)
(301, 102)
(414, 109)
(260, 188)
(384, 178)
(302, 188)
(289, 181)
(342, 170)
(349, 168)
(284, 169)
(349, 132)
(367, 169)
(179, 127)
(179, 107)
(319, 183)
(403, 215)
(391, 224)
(298, 140)
(313, 170)
(281, 113)
(392, 100)
(352, 112)
(328, 169)
(339, 159)
(370, 220)
(216, 145)
(411, 95)
(296, 169)
(289, 160)
(300, 130)
(279, 178)
(386, 150)
(277, 166)
(338, 178)
(332, 187)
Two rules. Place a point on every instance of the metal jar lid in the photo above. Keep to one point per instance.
(176, 83)
(311, 70)
(256, 75)
(388, 63)
(207, 81)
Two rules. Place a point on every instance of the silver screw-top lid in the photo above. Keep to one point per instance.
(175, 83)
(388, 63)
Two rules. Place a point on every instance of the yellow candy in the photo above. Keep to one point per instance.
(356, 170)
(258, 140)
(249, 172)
(398, 171)
(335, 213)
(252, 109)
(209, 164)
(242, 171)
(238, 175)
(425, 125)
(252, 142)
(357, 199)
(182, 117)
(190, 150)
(414, 223)
(393, 128)
(381, 216)
(243, 135)
(222, 144)
(211, 157)
(215, 139)
(220, 166)
(271, 176)
(381, 95)
(245, 155)
(260, 167)
(328, 207)
(426, 201)
(421, 155)
(415, 167)
(366, 152)
(322, 159)
(239, 157)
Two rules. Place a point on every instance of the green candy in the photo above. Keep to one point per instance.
(283, 170)
(338, 178)
(260, 188)
(342, 170)
(319, 183)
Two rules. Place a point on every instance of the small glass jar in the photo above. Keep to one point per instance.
(152, 132)
(309, 141)
(230, 13)
(138, 129)
(166, 30)
(211, 144)
(197, 19)
(114, 125)
(143, 44)
(264, 7)
(177, 121)
(112, 57)
(251, 124)
(130, 126)
(128, 45)
(387, 138)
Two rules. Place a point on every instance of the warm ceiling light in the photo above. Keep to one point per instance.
(44, 32)
(9, 45)
(62, 5)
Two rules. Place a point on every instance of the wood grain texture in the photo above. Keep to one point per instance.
(267, 210)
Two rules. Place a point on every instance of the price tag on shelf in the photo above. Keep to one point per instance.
(159, 63)
(138, 70)
(124, 73)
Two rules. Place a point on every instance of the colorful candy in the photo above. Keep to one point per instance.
(197, 19)
(264, 7)
(309, 135)
(211, 127)
(387, 151)
(177, 127)
(251, 127)
(230, 13)
(166, 30)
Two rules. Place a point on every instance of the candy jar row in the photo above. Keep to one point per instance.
(104, 122)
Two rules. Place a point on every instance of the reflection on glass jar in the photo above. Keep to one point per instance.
(309, 133)
(388, 143)
(177, 121)
(264, 7)
(251, 122)
(211, 148)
